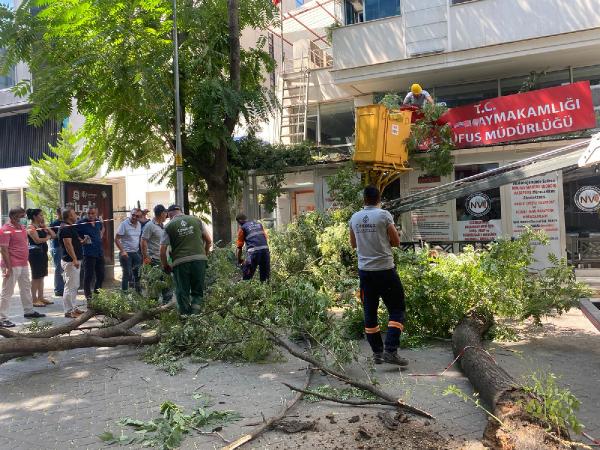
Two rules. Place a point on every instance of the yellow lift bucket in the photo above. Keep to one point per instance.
(381, 136)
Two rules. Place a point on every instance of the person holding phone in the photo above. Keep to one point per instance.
(91, 231)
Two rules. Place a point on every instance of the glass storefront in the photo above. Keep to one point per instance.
(581, 191)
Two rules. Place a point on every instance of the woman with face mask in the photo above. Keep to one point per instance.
(38, 235)
(15, 269)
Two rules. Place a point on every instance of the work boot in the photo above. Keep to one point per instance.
(394, 358)
(378, 357)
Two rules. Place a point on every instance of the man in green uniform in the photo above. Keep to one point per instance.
(190, 243)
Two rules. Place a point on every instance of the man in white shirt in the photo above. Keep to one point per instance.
(127, 241)
(373, 234)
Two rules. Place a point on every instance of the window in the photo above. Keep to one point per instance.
(464, 94)
(7, 80)
(378, 9)
(353, 12)
(10, 198)
(299, 3)
(337, 123)
(591, 73)
(312, 123)
(458, 2)
(513, 85)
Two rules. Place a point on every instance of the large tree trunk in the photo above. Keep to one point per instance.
(500, 392)
(221, 214)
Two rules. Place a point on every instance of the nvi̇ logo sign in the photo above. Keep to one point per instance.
(587, 198)
(478, 204)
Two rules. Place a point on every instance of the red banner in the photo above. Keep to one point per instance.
(515, 117)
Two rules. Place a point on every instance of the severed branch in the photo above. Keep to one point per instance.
(276, 339)
(54, 331)
(345, 402)
(268, 424)
(24, 344)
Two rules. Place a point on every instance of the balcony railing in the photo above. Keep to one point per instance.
(311, 58)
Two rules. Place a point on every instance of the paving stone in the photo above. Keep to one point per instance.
(67, 404)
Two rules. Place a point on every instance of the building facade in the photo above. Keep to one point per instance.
(462, 52)
(335, 55)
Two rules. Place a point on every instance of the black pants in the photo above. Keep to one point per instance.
(93, 268)
(260, 259)
(384, 284)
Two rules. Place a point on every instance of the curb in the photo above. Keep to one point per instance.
(590, 311)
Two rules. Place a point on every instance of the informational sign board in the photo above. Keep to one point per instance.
(535, 204)
(430, 223)
(478, 215)
(542, 112)
(81, 197)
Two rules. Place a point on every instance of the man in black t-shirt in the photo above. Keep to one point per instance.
(56, 252)
(70, 242)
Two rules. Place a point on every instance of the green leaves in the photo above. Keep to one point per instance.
(552, 404)
(497, 281)
(430, 143)
(338, 393)
(64, 162)
(170, 429)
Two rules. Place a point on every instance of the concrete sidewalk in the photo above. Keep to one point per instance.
(67, 399)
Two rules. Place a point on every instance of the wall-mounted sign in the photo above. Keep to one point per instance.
(587, 198)
(478, 204)
(535, 204)
(430, 223)
(543, 112)
(478, 215)
(82, 196)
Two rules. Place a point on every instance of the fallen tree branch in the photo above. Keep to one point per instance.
(345, 402)
(267, 424)
(18, 345)
(276, 339)
(54, 331)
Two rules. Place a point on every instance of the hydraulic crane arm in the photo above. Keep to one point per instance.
(582, 154)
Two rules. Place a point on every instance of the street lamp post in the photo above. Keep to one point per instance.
(178, 153)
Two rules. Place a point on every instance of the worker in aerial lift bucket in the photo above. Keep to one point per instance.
(373, 234)
(417, 96)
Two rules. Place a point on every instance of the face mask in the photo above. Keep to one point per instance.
(23, 221)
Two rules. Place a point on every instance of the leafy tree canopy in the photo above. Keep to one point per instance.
(115, 58)
(63, 162)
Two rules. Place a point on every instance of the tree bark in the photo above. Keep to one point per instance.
(501, 393)
(218, 182)
(221, 214)
(44, 345)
